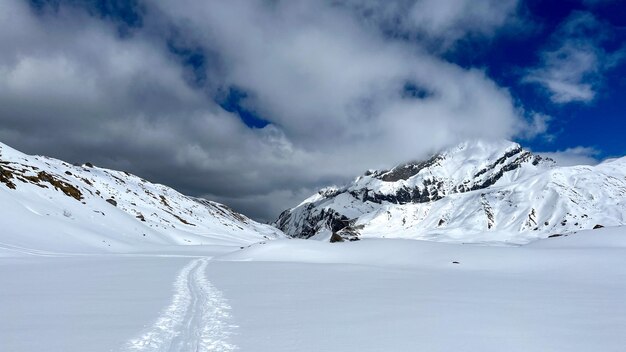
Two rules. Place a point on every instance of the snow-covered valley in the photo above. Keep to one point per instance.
(558, 294)
(99, 260)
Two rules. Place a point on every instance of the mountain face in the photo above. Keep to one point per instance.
(51, 205)
(475, 192)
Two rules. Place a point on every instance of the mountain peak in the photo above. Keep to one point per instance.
(466, 157)
(474, 188)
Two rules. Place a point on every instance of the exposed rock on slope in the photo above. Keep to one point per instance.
(49, 204)
(475, 192)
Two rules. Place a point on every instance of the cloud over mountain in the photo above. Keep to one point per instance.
(168, 89)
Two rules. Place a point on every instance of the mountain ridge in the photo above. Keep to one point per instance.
(50, 204)
(477, 191)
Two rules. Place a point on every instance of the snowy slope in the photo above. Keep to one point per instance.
(558, 294)
(48, 204)
(475, 192)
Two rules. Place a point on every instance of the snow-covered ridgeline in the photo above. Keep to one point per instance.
(475, 192)
(52, 205)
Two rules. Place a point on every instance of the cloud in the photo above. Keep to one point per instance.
(326, 77)
(438, 23)
(574, 156)
(573, 67)
(340, 96)
(537, 126)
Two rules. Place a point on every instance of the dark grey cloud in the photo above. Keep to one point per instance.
(79, 85)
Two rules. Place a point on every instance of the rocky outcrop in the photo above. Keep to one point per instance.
(91, 200)
(473, 188)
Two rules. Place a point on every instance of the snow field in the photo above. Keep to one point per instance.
(194, 321)
(559, 294)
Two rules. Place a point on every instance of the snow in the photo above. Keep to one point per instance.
(533, 200)
(196, 320)
(39, 216)
(79, 275)
(80, 303)
(558, 294)
(455, 165)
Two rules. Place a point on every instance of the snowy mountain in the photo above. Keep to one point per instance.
(475, 192)
(50, 205)
(65, 286)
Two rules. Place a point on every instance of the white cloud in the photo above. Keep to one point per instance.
(573, 68)
(538, 126)
(439, 23)
(568, 74)
(332, 86)
(453, 19)
(574, 156)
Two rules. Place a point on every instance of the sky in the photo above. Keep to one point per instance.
(259, 103)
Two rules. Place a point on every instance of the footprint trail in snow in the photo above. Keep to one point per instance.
(196, 319)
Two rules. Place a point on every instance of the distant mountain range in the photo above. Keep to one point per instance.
(475, 192)
(479, 192)
(48, 204)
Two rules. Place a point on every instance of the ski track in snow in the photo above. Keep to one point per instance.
(195, 321)
(29, 251)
